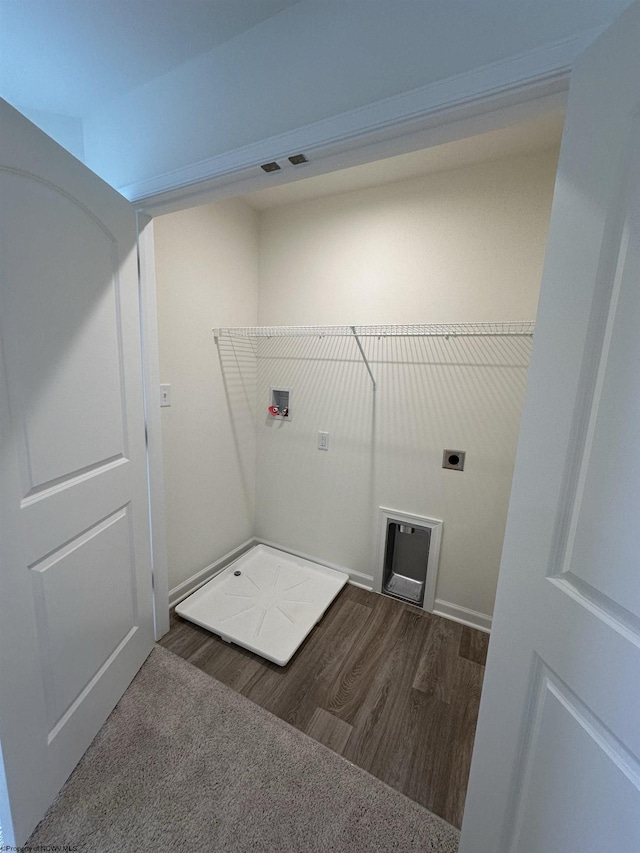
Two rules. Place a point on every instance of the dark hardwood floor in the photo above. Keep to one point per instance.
(388, 686)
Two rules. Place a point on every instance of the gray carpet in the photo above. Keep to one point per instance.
(185, 764)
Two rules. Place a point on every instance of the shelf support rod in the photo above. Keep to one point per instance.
(364, 358)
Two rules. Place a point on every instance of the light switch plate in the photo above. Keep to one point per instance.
(165, 395)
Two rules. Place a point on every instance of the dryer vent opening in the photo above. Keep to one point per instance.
(405, 562)
(408, 551)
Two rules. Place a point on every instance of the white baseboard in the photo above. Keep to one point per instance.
(182, 590)
(356, 578)
(455, 612)
(195, 581)
(361, 584)
(462, 614)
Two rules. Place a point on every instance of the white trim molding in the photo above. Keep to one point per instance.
(440, 608)
(464, 615)
(182, 590)
(151, 380)
(528, 76)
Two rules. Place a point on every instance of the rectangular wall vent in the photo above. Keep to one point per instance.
(408, 554)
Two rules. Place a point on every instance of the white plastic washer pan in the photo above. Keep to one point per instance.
(270, 606)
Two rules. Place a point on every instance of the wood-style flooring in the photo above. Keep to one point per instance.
(393, 689)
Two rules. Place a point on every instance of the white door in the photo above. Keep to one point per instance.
(556, 765)
(76, 617)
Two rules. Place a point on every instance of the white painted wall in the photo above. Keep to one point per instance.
(315, 61)
(460, 246)
(207, 275)
(464, 245)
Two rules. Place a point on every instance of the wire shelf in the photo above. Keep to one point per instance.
(517, 328)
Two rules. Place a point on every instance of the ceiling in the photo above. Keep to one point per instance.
(69, 57)
(82, 53)
(541, 133)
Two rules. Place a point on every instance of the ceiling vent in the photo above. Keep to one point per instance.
(270, 167)
(297, 159)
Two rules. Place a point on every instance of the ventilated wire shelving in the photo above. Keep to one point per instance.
(443, 330)
(411, 330)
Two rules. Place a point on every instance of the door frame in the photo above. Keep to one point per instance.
(504, 94)
(495, 102)
(466, 104)
(499, 104)
(153, 422)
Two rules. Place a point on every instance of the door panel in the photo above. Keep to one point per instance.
(610, 465)
(50, 341)
(557, 758)
(572, 751)
(87, 583)
(76, 616)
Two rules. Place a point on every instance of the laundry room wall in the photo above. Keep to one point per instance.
(207, 276)
(465, 245)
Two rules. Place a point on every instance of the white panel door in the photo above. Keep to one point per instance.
(556, 768)
(76, 617)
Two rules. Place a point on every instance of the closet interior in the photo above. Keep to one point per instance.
(341, 362)
(347, 358)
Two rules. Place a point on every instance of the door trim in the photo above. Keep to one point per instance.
(151, 382)
(499, 94)
(496, 95)
(454, 108)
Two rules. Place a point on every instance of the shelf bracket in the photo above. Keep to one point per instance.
(364, 358)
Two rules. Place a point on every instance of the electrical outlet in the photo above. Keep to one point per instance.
(323, 441)
(165, 395)
(453, 459)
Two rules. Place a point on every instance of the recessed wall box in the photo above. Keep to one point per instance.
(408, 551)
(280, 404)
(405, 561)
